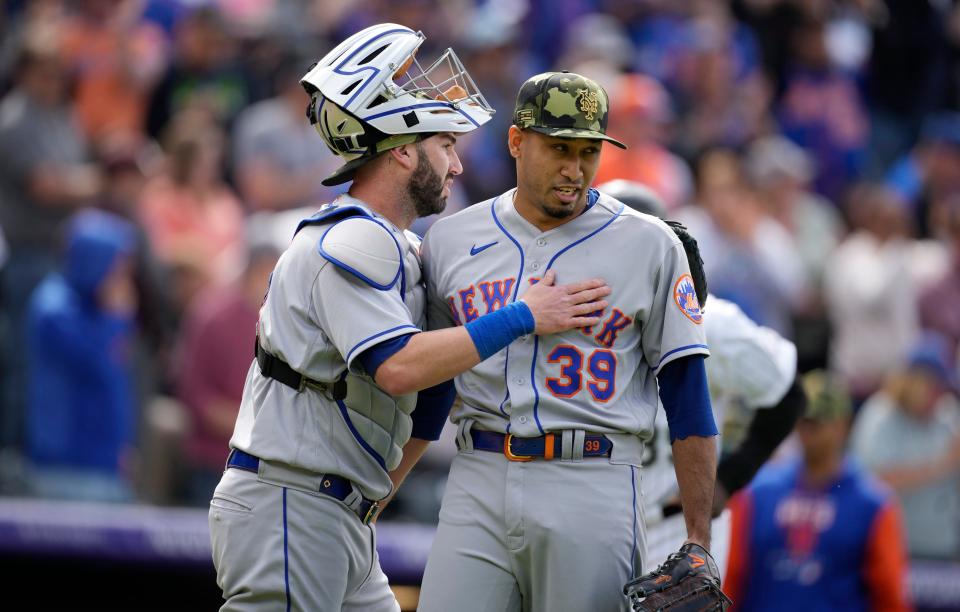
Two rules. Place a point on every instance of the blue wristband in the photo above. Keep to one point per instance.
(494, 332)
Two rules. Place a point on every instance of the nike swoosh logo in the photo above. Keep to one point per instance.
(478, 249)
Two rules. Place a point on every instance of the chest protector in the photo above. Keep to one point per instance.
(362, 245)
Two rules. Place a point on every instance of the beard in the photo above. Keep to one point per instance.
(562, 211)
(557, 212)
(426, 188)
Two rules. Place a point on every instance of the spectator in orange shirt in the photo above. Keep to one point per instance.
(117, 59)
(192, 217)
(640, 115)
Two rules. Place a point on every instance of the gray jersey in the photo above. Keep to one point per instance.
(319, 318)
(600, 379)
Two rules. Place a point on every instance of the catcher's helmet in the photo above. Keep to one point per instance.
(635, 195)
(370, 94)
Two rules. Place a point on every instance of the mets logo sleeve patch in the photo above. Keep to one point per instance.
(685, 297)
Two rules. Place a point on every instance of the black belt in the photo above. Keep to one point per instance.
(280, 370)
(543, 447)
(334, 486)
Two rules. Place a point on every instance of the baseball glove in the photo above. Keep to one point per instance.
(688, 581)
(693, 258)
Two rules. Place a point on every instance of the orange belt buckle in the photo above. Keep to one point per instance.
(509, 454)
(548, 449)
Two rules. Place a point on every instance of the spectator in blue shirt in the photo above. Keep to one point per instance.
(81, 408)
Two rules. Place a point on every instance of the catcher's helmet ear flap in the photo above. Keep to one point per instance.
(344, 134)
(354, 140)
(637, 196)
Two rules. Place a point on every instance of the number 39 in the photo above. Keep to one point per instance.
(601, 367)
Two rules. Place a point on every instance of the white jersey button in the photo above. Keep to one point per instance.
(523, 419)
(535, 265)
(520, 380)
(541, 242)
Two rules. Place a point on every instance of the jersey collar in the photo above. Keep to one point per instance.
(597, 212)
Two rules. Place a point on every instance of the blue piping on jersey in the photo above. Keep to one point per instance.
(383, 333)
(533, 379)
(536, 339)
(403, 277)
(286, 561)
(331, 211)
(493, 211)
(677, 350)
(516, 290)
(633, 553)
(356, 435)
(356, 272)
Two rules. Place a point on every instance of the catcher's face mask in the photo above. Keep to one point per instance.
(371, 93)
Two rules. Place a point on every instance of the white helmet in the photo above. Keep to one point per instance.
(370, 94)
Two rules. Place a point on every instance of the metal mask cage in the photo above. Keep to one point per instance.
(446, 79)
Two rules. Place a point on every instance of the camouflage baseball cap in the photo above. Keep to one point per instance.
(565, 105)
(827, 397)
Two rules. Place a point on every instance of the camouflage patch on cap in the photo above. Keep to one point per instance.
(827, 397)
(565, 105)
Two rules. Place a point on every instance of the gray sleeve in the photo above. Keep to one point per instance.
(355, 315)
(439, 314)
(674, 325)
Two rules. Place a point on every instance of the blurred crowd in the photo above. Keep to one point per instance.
(155, 159)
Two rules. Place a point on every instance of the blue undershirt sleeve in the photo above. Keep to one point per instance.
(686, 398)
(373, 357)
(433, 408)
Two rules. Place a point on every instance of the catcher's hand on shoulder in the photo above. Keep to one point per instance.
(687, 581)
